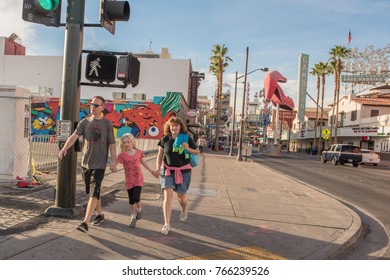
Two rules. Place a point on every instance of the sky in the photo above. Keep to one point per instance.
(276, 33)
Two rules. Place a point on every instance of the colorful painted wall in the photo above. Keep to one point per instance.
(142, 119)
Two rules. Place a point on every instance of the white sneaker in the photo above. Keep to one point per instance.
(133, 222)
(183, 217)
(165, 229)
(140, 213)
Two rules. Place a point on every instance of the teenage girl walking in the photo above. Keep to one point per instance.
(132, 158)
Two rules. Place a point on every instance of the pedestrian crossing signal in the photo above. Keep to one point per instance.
(101, 67)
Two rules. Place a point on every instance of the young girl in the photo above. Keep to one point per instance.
(132, 158)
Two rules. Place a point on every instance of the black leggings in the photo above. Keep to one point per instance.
(134, 194)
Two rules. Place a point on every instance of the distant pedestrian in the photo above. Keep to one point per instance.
(174, 163)
(132, 158)
(308, 148)
(98, 138)
(201, 143)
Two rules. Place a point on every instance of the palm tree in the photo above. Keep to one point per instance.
(324, 69)
(218, 62)
(315, 72)
(337, 53)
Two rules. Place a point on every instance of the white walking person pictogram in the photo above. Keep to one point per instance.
(94, 65)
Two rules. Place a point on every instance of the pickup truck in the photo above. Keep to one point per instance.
(342, 153)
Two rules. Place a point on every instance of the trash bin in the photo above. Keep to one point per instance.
(313, 152)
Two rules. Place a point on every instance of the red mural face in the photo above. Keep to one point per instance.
(148, 119)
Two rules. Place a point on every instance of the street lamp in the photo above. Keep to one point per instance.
(239, 155)
(234, 107)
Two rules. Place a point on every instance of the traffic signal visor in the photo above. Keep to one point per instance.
(47, 5)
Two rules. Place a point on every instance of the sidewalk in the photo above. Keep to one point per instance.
(237, 210)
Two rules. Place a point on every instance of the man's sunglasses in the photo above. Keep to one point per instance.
(95, 105)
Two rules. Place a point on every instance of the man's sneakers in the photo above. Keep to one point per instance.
(83, 227)
(98, 220)
(133, 222)
(140, 214)
(165, 229)
(183, 217)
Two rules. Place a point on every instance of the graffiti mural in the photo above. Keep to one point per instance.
(142, 119)
(44, 116)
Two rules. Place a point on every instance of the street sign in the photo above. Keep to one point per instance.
(63, 129)
(326, 132)
(191, 113)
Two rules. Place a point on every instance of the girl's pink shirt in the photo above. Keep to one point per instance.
(132, 167)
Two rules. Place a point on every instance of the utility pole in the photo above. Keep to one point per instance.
(239, 155)
(70, 106)
(234, 116)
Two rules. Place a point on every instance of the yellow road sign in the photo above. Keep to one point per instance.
(326, 132)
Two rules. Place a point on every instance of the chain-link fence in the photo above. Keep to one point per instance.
(43, 143)
(14, 140)
(44, 151)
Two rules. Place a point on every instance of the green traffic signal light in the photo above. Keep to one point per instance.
(48, 5)
(47, 12)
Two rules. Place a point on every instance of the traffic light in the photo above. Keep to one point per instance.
(100, 67)
(128, 69)
(47, 12)
(112, 11)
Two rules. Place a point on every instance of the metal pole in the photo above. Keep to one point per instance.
(265, 114)
(239, 156)
(289, 138)
(234, 117)
(276, 129)
(70, 106)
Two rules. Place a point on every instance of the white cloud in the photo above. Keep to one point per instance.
(11, 20)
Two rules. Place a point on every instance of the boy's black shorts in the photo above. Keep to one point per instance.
(93, 180)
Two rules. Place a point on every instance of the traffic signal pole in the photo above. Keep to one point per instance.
(70, 106)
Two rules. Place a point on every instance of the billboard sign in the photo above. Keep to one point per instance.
(303, 72)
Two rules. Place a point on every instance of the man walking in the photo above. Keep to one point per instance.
(98, 137)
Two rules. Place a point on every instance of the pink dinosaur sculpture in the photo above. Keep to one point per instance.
(273, 92)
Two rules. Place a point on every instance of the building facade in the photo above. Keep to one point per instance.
(364, 120)
(158, 73)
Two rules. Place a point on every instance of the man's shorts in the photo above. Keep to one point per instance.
(168, 182)
(93, 180)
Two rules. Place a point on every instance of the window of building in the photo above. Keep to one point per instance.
(353, 115)
(374, 113)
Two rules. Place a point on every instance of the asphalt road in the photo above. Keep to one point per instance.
(365, 188)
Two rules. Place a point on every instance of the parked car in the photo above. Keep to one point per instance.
(211, 145)
(370, 157)
(342, 153)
